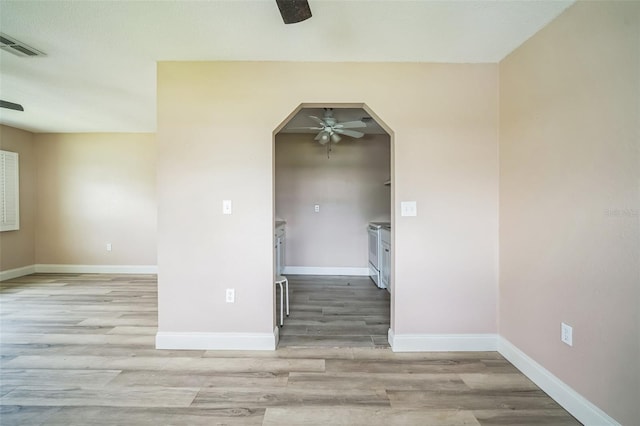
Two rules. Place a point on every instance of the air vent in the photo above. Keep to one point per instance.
(18, 48)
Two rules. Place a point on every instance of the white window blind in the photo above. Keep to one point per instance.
(9, 192)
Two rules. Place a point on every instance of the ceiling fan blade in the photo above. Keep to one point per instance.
(11, 105)
(293, 11)
(317, 120)
(352, 133)
(304, 128)
(351, 125)
(318, 136)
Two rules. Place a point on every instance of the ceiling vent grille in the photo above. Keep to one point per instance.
(18, 48)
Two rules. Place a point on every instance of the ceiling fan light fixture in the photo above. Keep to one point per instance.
(324, 138)
(335, 138)
(293, 11)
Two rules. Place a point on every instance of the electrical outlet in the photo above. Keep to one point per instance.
(566, 334)
(231, 295)
(108, 246)
(316, 208)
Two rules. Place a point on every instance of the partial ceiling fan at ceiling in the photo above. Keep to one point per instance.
(329, 129)
(293, 11)
(11, 105)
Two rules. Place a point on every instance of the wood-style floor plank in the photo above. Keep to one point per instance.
(339, 416)
(289, 397)
(546, 417)
(505, 381)
(201, 379)
(78, 349)
(141, 416)
(220, 365)
(384, 381)
(57, 378)
(442, 366)
(471, 400)
(111, 396)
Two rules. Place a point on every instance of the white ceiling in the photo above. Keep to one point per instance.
(100, 70)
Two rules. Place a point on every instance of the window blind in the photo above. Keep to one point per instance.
(9, 192)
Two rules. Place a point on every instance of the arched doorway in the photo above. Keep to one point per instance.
(327, 189)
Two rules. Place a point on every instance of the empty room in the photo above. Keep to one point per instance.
(271, 212)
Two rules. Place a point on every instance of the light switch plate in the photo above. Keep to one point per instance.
(226, 206)
(408, 208)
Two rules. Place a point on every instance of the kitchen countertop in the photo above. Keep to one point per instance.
(385, 225)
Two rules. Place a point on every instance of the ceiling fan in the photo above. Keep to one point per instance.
(330, 130)
(11, 105)
(293, 11)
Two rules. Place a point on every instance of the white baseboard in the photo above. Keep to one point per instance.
(17, 272)
(323, 270)
(442, 342)
(96, 269)
(579, 407)
(218, 341)
(77, 269)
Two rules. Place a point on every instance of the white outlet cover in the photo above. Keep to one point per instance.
(316, 208)
(566, 334)
(409, 208)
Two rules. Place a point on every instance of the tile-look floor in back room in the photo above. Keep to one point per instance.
(78, 349)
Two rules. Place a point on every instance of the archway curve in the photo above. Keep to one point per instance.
(391, 134)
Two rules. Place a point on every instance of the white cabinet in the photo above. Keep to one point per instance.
(279, 247)
(385, 259)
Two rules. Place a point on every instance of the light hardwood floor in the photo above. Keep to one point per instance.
(336, 312)
(79, 350)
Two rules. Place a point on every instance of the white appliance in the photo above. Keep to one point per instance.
(384, 259)
(375, 251)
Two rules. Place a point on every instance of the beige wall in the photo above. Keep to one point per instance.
(348, 186)
(17, 248)
(95, 189)
(215, 125)
(569, 201)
